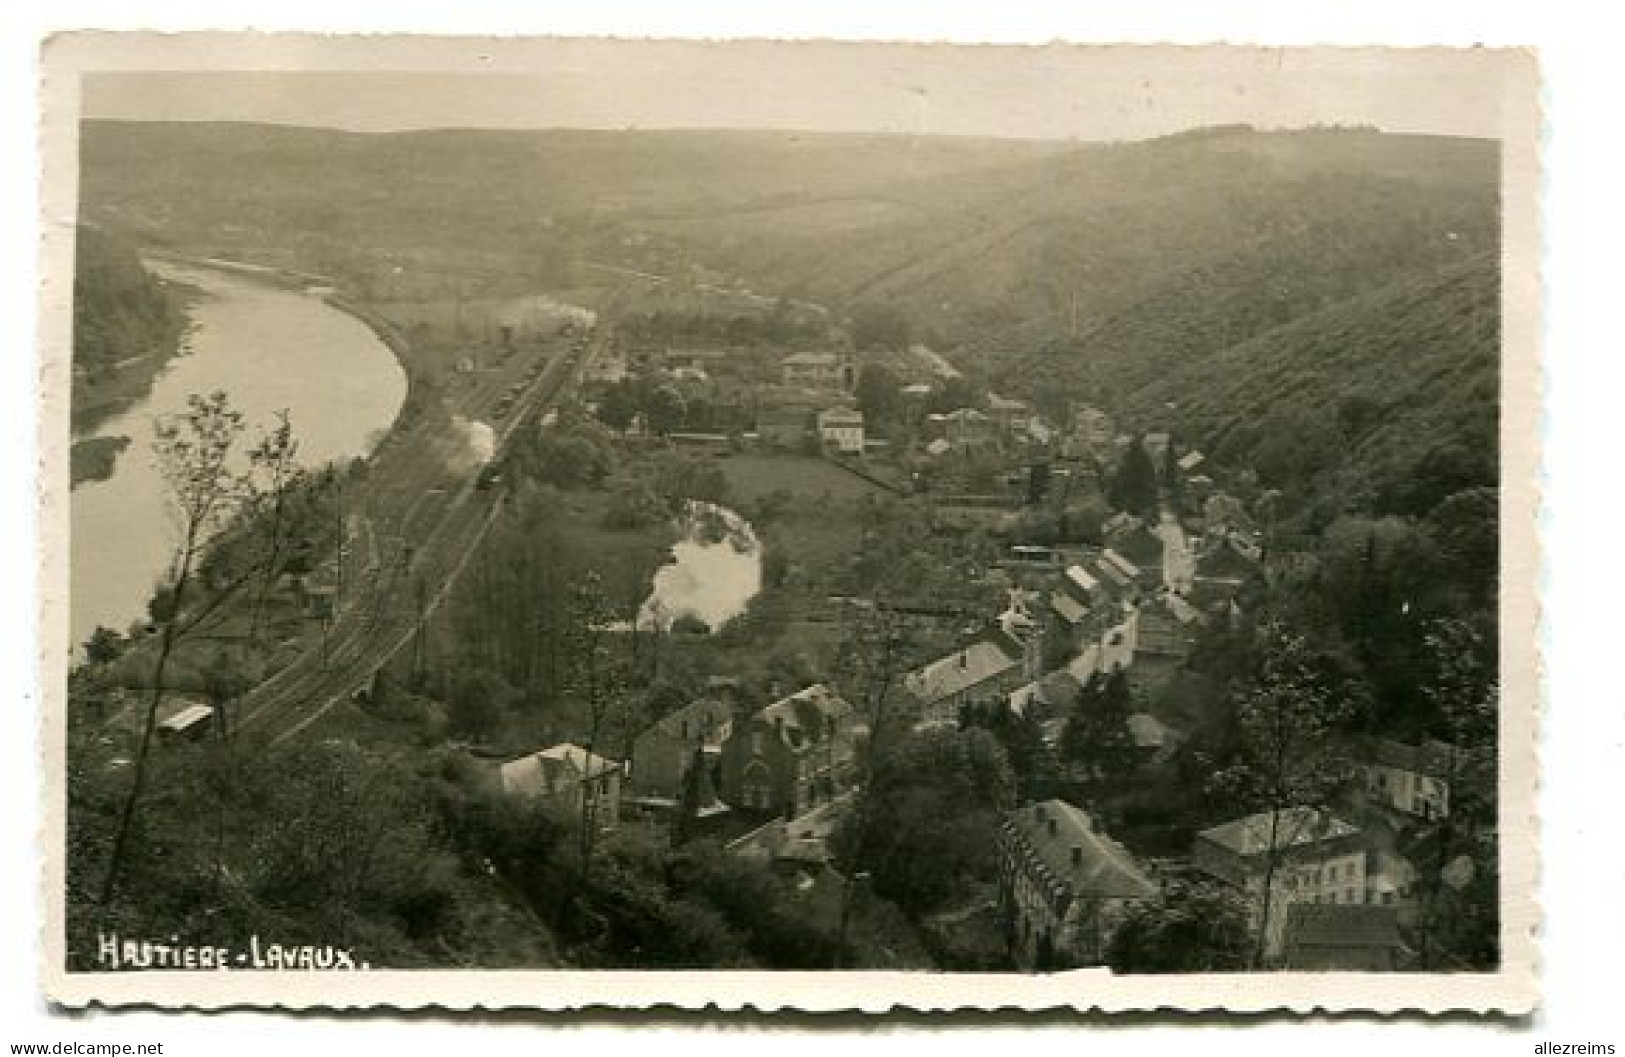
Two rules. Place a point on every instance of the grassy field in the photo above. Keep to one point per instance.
(750, 477)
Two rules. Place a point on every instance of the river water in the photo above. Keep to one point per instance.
(270, 349)
(716, 569)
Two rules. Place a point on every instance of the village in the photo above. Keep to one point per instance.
(1100, 562)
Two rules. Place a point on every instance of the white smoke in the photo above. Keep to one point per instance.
(480, 438)
(469, 447)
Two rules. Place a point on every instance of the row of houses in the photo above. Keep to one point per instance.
(784, 759)
(1327, 893)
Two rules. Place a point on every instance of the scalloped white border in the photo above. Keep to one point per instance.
(1512, 990)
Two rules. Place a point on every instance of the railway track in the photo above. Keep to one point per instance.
(385, 612)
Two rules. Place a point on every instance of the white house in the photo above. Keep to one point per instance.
(568, 774)
(840, 429)
(1413, 779)
(1317, 858)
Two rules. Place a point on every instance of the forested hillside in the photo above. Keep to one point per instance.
(1386, 403)
(126, 323)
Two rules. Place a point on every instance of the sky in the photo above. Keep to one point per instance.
(1050, 92)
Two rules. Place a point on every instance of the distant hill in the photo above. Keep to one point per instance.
(1243, 275)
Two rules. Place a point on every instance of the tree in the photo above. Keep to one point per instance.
(620, 403)
(193, 450)
(477, 700)
(665, 409)
(571, 459)
(1190, 927)
(878, 394)
(1134, 486)
(1096, 738)
(1463, 694)
(1173, 482)
(599, 680)
(929, 824)
(1287, 766)
(104, 645)
(276, 476)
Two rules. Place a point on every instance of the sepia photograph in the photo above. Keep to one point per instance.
(1017, 521)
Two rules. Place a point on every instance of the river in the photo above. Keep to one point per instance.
(716, 569)
(270, 349)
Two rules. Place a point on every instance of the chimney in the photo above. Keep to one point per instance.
(1054, 830)
(964, 659)
(1077, 855)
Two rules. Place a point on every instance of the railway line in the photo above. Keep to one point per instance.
(440, 517)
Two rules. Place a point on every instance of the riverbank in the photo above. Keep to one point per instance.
(272, 350)
(128, 325)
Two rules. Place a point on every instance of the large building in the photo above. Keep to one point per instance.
(1317, 858)
(1063, 885)
(796, 754)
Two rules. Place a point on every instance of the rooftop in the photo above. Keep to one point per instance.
(1069, 608)
(540, 772)
(806, 716)
(1341, 935)
(811, 359)
(959, 671)
(1065, 840)
(1079, 577)
(705, 716)
(1296, 827)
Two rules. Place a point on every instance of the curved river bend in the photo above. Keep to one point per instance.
(269, 349)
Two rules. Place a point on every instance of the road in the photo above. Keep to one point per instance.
(438, 516)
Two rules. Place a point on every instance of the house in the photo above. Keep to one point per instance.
(840, 429)
(967, 428)
(939, 447)
(663, 753)
(819, 370)
(1359, 938)
(1064, 886)
(1189, 461)
(570, 776)
(980, 672)
(1413, 779)
(792, 755)
(1156, 446)
(1122, 576)
(191, 721)
(1007, 415)
(1316, 858)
